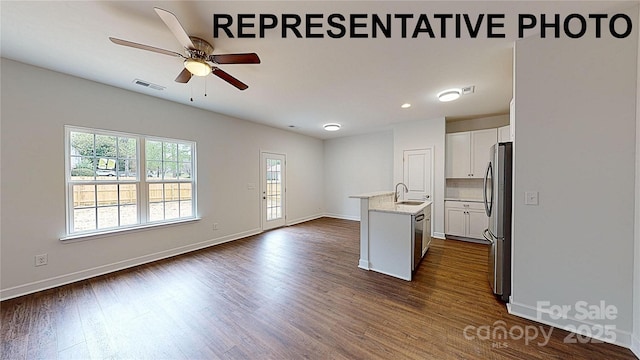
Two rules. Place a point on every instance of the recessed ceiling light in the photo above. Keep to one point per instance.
(332, 127)
(449, 95)
(405, 105)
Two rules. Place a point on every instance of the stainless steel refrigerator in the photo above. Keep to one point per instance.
(497, 203)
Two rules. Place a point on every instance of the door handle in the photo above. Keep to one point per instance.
(484, 235)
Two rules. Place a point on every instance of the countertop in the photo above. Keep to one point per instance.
(371, 194)
(392, 207)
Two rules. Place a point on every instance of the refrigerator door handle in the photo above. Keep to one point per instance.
(488, 205)
(484, 234)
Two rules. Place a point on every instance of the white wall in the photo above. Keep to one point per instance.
(575, 104)
(356, 165)
(420, 135)
(37, 103)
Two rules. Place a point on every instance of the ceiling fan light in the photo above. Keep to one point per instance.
(332, 127)
(197, 67)
(449, 95)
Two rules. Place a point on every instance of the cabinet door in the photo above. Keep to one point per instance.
(426, 235)
(454, 221)
(458, 155)
(477, 221)
(504, 133)
(481, 141)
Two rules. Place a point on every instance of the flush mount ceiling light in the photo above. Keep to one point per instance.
(405, 105)
(449, 95)
(332, 127)
(197, 67)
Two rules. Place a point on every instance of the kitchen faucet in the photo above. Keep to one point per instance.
(406, 190)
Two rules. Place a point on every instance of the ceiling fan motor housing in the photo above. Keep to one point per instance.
(202, 49)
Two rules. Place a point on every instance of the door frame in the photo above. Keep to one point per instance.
(264, 225)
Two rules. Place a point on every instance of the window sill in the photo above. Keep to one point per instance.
(82, 237)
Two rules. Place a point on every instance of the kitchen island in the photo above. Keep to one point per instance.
(392, 233)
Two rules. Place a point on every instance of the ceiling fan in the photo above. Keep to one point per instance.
(199, 54)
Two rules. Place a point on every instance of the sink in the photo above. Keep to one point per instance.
(410, 202)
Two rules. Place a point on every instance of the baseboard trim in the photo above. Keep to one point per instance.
(571, 324)
(343, 217)
(304, 219)
(635, 345)
(439, 235)
(363, 264)
(65, 279)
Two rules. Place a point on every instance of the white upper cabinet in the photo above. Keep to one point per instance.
(504, 133)
(458, 155)
(467, 152)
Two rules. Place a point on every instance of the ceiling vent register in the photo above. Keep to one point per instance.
(148, 84)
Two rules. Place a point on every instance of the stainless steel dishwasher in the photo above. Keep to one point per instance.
(417, 228)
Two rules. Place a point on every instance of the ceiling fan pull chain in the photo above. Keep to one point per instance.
(191, 86)
(205, 86)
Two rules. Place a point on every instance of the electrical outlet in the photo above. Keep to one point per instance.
(531, 198)
(41, 260)
(215, 226)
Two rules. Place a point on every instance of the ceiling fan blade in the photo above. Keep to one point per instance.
(249, 58)
(228, 78)
(174, 25)
(144, 47)
(184, 76)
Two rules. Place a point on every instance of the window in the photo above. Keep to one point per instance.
(105, 188)
(169, 174)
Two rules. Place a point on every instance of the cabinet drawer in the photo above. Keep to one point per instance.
(464, 205)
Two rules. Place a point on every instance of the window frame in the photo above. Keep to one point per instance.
(141, 183)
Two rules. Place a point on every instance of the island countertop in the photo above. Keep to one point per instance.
(371, 194)
(392, 207)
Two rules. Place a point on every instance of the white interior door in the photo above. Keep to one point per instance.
(272, 168)
(417, 173)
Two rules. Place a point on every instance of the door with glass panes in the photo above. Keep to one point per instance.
(273, 190)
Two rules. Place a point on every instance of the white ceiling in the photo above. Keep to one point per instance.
(359, 83)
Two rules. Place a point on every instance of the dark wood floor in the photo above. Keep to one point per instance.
(290, 293)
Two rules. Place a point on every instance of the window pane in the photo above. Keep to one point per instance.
(185, 191)
(170, 170)
(127, 169)
(107, 217)
(171, 151)
(155, 193)
(156, 211)
(82, 168)
(84, 219)
(153, 150)
(171, 210)
(127, 148)
(81, 144)
(84, 196)
(154, 169)
(184, 170)
(184, 152)
(186, 208)
(106, 169)
(128, 215)
(107, 195)
(106, 146)
(171, 192)
(128, 195)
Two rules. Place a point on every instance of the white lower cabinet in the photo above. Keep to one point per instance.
(465, 219)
